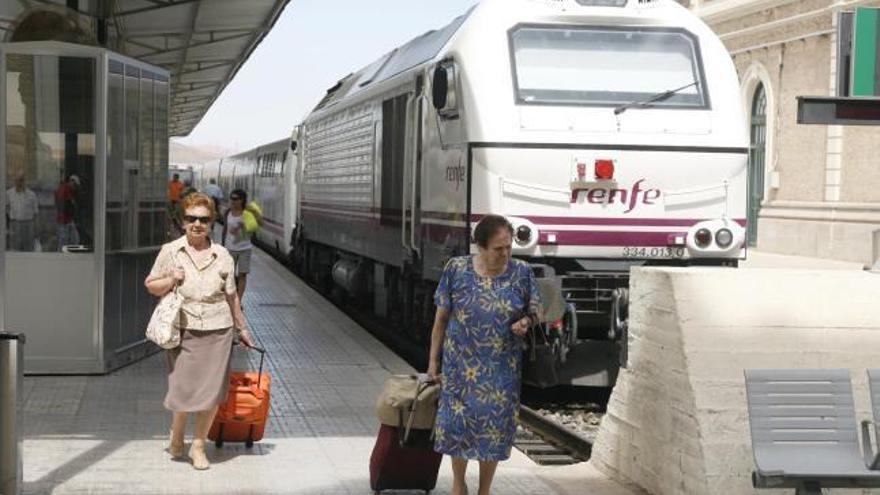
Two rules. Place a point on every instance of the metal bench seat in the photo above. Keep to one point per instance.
(872, 457)
(804, 431)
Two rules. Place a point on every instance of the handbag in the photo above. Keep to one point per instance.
(249, 218)
(162, 328)
(540, 367)
(409, 402)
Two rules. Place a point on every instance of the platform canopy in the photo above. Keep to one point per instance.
(203, 43)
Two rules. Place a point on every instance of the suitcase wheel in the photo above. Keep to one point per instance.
(249, 444)
(219, 442)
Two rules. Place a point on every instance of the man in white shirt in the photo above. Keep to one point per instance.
(22, 209)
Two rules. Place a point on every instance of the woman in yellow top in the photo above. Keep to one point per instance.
(237, 234)
(204, 275)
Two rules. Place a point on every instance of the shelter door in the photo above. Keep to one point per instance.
(757, 153)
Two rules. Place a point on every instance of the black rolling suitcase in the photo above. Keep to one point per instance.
(404, 457)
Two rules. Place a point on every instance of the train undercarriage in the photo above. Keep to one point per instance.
(586, 337)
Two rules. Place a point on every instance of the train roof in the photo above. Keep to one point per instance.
(271, 144)
(426, 47)
(415, 52)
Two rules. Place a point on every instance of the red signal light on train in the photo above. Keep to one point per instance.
(604, 169)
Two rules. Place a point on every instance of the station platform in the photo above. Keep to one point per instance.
(108, 434)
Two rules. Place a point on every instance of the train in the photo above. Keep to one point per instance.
(267, 174)
(611, 133)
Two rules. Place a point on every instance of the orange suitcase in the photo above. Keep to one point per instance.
(242, 418)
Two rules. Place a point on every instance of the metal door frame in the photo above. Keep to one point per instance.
(757, 160)
(98, 55)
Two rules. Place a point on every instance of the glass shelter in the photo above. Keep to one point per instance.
(84, 149)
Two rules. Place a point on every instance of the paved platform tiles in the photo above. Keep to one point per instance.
(107, 434)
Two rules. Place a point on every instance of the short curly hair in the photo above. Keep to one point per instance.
(198, 199)
(488, 227)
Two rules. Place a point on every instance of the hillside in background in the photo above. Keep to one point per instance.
(181, 154)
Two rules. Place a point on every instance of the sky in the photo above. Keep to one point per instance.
(314, 44)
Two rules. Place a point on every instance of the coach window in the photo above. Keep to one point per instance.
(50, 146)
(393, 153)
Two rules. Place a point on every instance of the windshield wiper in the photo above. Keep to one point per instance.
(654, 99)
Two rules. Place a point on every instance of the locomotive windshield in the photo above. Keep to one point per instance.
(602, 66)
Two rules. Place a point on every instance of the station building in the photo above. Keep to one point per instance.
(815, 189)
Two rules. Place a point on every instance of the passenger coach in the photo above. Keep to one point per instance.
(266, 174)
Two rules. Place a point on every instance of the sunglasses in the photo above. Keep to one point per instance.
(235, 198)
(194, 219)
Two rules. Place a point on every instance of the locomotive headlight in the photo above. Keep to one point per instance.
(703, 238)
(721, 238)
(523, 235)
(724, 238)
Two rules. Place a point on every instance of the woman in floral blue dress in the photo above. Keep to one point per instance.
(485, 305)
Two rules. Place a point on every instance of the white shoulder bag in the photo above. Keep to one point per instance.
(162, 328)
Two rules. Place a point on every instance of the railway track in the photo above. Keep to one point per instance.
(550, 442)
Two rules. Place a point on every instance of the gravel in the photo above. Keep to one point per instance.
(584, 421)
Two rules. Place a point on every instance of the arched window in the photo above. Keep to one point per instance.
(757, 154)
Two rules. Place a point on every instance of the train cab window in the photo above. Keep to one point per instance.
(393, 153)
(602, 66)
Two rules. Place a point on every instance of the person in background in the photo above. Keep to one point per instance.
(236, 237)
(214, 192)
(204, 275)
(188, 189)
(66, 206)
(485, 305)
(175, 189)
(22, 209)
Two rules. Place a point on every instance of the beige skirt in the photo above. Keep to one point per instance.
(198, 370)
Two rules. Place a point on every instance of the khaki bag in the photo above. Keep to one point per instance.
(408, 401)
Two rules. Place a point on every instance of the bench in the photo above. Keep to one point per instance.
(872, 459)
(804, 431)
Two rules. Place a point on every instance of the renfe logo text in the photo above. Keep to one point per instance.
(603, 195)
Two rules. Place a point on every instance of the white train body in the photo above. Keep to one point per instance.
(266, 173)
(537, 83)
(608, 135)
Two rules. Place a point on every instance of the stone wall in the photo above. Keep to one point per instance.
(677, 421)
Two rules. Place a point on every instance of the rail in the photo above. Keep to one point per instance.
(580, 446)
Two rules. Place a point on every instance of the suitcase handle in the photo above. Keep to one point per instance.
(421, 387)
(262, 359)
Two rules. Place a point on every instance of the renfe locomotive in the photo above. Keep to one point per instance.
(610, 132)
